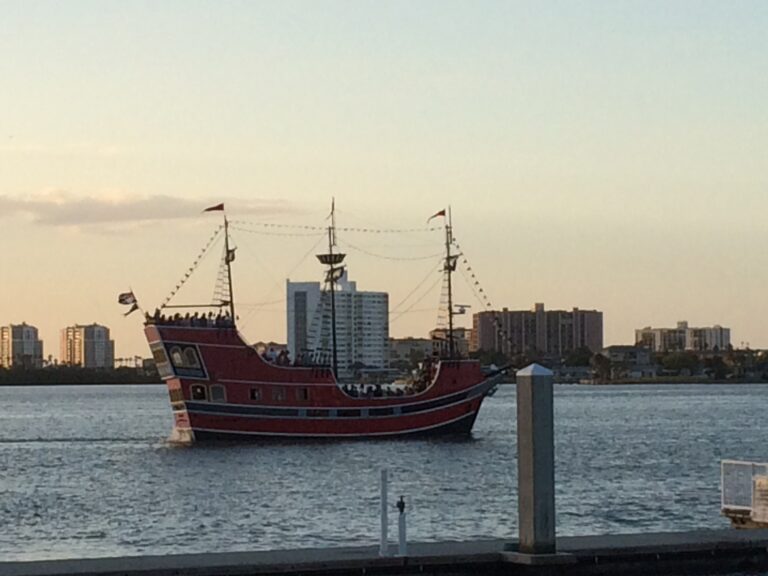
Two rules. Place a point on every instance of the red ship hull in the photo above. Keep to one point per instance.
(220, 387)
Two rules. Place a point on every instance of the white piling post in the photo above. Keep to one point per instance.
(402, 548)
(535, 460)
(383, 544)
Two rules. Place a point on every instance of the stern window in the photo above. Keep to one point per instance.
(302, 394)
(178, 359)
(256, 394)
(198, 392)
(190, 358)
(278, 394)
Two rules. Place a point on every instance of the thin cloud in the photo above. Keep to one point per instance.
(67, 210)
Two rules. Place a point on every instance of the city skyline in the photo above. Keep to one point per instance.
(606, 156)
(715, 338)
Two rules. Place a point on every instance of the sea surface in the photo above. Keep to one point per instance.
(85, 471)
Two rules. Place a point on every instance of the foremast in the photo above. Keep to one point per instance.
(223, 296)
(229, 257)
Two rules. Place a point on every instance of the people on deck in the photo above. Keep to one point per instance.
(198, 319)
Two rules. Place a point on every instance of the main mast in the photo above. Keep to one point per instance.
(335, 270)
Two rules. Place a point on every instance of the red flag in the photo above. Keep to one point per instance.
(441, 213)
(213, 208)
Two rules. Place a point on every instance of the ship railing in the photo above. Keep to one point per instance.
(319, 358)
(738, 481)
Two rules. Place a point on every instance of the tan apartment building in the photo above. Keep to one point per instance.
(554, 333)
(20, 346)
(88, 346)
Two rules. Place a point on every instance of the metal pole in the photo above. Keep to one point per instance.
(383, 544)
(402, 546)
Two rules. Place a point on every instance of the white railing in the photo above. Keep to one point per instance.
(737, 482)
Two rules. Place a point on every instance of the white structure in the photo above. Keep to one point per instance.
(362, 325)
(684, 338)
(20, 346)
(87, 347)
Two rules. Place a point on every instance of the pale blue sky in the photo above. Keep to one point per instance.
(606, 155)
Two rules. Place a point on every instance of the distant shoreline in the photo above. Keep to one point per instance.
(672, 380)
(54, 384)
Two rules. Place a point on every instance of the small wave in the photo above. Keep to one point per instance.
(116, 439)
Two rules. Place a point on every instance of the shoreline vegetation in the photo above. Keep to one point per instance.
(677, 380)
(86, 377)
(74, 375)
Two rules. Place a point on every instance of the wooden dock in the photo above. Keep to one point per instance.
(700, 552)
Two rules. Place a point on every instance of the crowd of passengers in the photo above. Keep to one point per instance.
(418, 383)
(281, 358)
(211, 320)
(370, 391)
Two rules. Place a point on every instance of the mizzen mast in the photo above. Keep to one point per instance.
(449, 268)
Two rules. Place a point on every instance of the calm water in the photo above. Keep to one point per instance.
(85, 472)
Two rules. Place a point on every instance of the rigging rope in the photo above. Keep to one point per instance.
(412, 292)
(265, 233)
(419, 299)
(483, 298)
(338, 228)
(195, 264)
(256, 309)
(374, 255)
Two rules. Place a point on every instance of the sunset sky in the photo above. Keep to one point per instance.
(609, 155)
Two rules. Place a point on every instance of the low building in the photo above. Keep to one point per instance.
(406, 353)
(462, 338)
(20, 346)
(630, 361)
(683, 337)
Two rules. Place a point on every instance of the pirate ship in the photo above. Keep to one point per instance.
(223, 388)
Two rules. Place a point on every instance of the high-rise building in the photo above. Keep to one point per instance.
(362, 325)
(87, 346)
(20, 346)
(553, 333)
(683, 337)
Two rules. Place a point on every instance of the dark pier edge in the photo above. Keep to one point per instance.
(700, 552)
